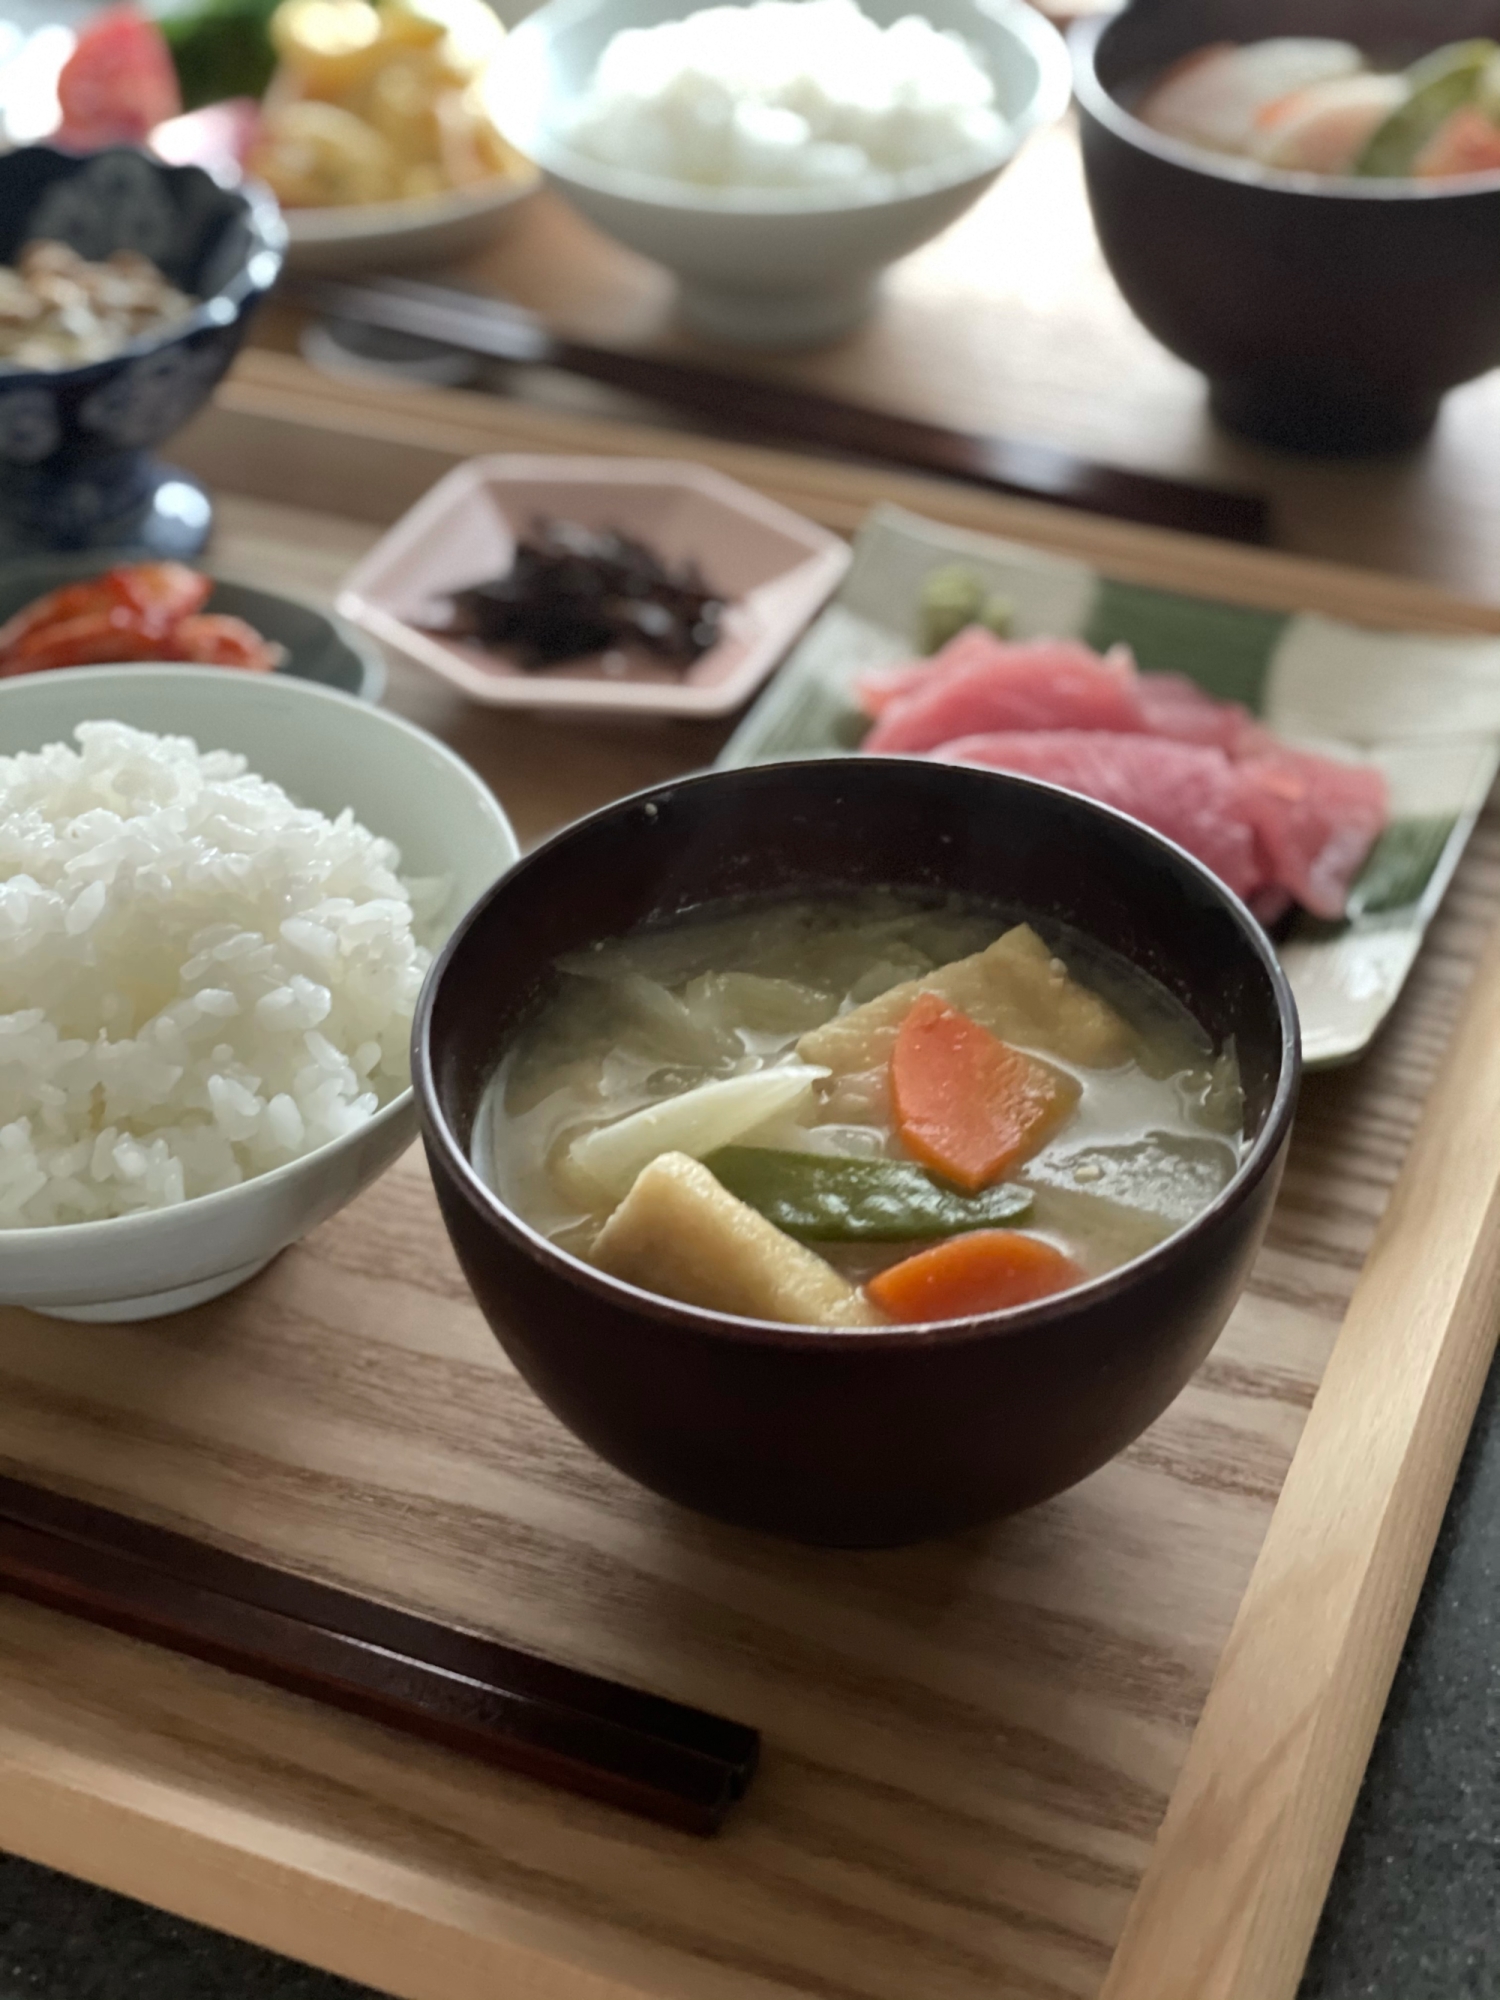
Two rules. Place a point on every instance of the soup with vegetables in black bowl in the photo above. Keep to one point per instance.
(856, 1149)
(856, 1110)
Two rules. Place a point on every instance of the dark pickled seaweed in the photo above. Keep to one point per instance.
(573, 591)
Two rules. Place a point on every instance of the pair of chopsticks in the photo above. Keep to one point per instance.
(760, 408)
(642, 1752)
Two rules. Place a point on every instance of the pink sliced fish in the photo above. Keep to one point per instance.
(1190, 792)
(1172, 705)
(1279, 825)
(1316, 820)
(881, 686)
(1010, 685)
(1047, 684)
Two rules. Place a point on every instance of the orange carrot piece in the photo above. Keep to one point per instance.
(983, 1272)
(967, 1104)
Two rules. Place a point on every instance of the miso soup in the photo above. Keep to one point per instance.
(857, 1110)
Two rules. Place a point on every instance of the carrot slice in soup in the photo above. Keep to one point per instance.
(968, 1104)
(983, 1272)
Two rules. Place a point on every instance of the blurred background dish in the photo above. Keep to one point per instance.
(390, 235)
(372, 100)
(76, 469)
(316, 647)
(1330, 313)
(367, 118)
(1312, 104)
(375, 131)
(773, 266)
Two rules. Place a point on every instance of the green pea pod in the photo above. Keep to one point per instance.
(820, 1199)
(1441, 84)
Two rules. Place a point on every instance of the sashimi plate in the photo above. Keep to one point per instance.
(1424, 707)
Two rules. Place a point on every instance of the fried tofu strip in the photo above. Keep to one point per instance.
(680, 1233)
(1014, 987)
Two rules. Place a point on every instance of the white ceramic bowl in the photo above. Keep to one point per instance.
(328, 751)
(392, 235)
(766, 268)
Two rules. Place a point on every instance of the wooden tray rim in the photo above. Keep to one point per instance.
(1240, 1867)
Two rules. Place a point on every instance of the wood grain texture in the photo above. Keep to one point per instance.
(1010, 322)
(758, 407)
(626, 1746)
(278, 427)
(1231, 1898)
(970, 1747)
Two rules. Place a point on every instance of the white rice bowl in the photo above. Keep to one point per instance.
(199, 979)
(807, 94)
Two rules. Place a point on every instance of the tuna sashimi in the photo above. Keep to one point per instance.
(881, 686)
(1316, 821)
(1277, 824)
(1043, 684)
(1172, 705)
(1190, 792)
(1007, 685)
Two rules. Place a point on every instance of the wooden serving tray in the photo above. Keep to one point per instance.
(1105, 1751)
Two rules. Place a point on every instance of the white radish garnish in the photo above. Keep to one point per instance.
(1324, 129)
(1215, 96)
(696, 1123)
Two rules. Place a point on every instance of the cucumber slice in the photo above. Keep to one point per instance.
(1440, 84)
(1487, 90)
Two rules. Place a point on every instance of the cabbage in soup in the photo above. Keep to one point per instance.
(858, 1110)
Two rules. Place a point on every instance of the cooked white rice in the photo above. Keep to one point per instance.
(788, 94)
(199, 980)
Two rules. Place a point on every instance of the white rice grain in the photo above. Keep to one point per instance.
(199, 980)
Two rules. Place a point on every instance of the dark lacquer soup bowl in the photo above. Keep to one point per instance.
(1329, 314)
(864, 1437)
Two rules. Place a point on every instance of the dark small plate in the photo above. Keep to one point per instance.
(319, 647)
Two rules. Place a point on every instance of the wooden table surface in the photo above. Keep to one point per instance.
(411, 1880)
(1011, 322)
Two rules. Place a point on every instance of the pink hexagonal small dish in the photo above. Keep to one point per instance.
(773, 568)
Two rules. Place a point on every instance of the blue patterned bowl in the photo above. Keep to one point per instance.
(76, 470)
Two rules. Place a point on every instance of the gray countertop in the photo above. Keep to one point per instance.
(1411, 1916)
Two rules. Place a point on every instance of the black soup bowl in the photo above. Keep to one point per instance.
(870, 1437)
(1330, 314)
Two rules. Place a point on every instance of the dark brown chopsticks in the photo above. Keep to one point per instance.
(759, 408)
(642, 1752)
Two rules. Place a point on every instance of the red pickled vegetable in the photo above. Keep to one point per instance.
(989, 1270)
(215, 639)
(118, 82)
(163, 592)
(967, 1104)
(136, 611)
(91, 638)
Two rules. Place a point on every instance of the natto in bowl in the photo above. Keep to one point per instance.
(76, 444)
